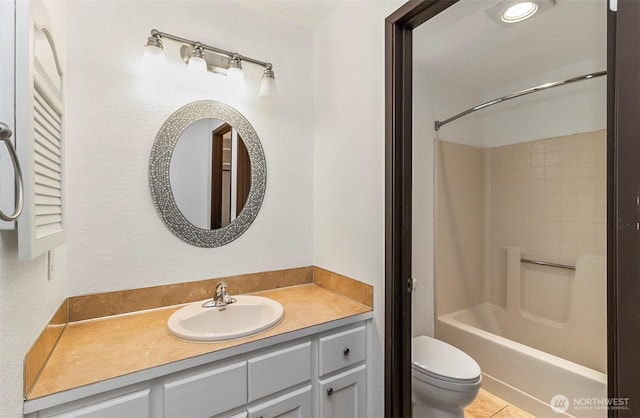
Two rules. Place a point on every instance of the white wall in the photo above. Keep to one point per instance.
(190, 172)
(349, 158)
(116, 107)
(29, 296)
(566, 110)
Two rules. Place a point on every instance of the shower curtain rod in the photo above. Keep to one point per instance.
(439, 124)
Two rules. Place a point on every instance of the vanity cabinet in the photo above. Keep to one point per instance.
(320, 375)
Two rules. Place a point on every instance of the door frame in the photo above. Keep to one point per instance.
(623, 211)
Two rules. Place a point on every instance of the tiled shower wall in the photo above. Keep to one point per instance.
(460, 226)
(547, 197)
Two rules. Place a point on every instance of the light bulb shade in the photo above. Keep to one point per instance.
(235, 73)
(153, 50)
(198, 64)
(235, 68)
(268, 84)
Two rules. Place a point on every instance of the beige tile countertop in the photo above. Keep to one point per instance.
(106, 348)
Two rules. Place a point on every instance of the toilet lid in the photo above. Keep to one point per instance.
(443, 361)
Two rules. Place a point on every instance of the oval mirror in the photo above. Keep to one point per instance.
(207, 173)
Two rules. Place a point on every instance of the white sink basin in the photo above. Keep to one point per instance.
(247, 316)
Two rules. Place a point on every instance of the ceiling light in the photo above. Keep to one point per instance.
(519, 12)
(509, 12)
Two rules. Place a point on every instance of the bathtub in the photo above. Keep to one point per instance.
(529, 361)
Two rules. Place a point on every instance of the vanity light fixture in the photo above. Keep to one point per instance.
(509, 12)
(209, 58)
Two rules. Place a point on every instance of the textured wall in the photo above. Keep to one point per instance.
(349, 157)
(116, 107)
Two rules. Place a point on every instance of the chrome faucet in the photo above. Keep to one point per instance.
(220, 297)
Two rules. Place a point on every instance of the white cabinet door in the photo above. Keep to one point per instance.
(344, 395)
(39, 130)
(132, 405)
(296, 404)
(206, 392)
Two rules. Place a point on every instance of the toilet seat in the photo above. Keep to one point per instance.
(442, 361)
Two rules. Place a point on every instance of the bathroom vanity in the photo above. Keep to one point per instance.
(306, 366)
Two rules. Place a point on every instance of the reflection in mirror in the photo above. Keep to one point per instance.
(210, 173)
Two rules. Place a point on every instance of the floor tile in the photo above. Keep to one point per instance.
(485, 405)
(512, 412)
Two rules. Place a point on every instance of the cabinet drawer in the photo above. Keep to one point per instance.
(279, 370)
(206, 393)
(132, 405)
(341, 350)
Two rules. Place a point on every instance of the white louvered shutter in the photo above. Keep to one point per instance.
(39, 132)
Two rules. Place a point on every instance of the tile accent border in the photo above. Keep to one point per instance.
(125, 301)
(39, 353)
(98, 305)
(346, 286)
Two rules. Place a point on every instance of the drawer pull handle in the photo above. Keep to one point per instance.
(330, 391)
(346, 351)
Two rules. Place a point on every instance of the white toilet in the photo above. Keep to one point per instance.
(444, 379)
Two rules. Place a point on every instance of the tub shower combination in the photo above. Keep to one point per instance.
(529, 360)
(544, 343)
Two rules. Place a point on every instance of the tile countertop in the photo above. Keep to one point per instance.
(100, 349)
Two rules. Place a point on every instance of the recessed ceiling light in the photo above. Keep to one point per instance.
(509, 12)
(519, 12)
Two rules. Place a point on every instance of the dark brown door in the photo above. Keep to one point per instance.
(243, 176)
(216, 175)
